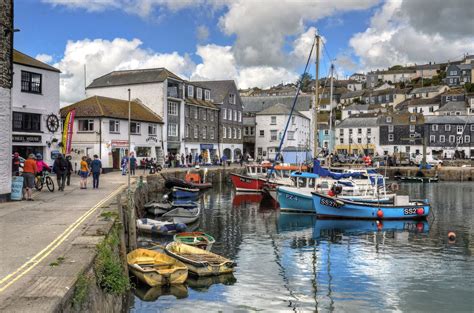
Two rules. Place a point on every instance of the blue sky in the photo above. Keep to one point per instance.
(257, 43)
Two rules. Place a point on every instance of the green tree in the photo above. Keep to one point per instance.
(396, 67)
(305, 80)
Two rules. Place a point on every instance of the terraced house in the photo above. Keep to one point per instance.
(201, 123)
(401, 133)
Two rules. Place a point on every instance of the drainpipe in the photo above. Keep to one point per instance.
(100, 138)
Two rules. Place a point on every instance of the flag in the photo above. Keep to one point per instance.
(67, 131)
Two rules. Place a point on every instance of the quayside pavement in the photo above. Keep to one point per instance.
(36, 236)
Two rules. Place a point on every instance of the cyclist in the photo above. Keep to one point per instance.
(41, 165)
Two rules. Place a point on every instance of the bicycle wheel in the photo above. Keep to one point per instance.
(38, 183)
(49, 183)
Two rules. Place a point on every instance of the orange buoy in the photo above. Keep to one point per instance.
(420, 211)
(379, 225)
(380, 213)
(452, 236)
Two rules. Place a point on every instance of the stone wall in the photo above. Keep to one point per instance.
(444, 173)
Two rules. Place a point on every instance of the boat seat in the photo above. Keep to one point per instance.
(402, 200)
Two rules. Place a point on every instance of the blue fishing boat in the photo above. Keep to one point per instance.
(181, 193)
(334, 207)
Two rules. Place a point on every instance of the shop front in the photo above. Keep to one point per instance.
(119, 149)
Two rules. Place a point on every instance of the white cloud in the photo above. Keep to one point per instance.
(392, 39)
(218, 62)
(265, 76)
(202, 33)
(46, 58)
(103, 56)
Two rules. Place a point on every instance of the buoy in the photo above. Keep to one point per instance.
(420, 226)
(331, 193)
(379, 225)
(420, 211)
(452, 236)
(380, 213)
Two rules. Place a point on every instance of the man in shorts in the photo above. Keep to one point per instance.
(29, 173)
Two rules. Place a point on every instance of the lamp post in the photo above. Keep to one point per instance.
(129, 143)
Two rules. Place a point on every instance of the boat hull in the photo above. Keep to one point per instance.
(329, 207)
(185, 193)
(196, 239)
(295, 201)
(246, 183)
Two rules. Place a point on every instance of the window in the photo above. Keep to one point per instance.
(259, 151)
(135, 128)
(186, 111)
(240, 133)
(26, 122)
(224, 132)
(207, 95)
(350, 140)
(341, 140)
(273, 135)
(196, 131)
(172, 108)
(459, 139)
(240, 116)
(235, 115)
(442, 138)
(412, 118)
(412, 128)
(114, 126)
(291, 135)
(369, 131)
(460, 129)
(172, 130)
(388, 119)
(204, 132)
(390, 137)
(368, 139)
(326, 132)
(204, 114)
(447, 127)
(273, 120)
(293, 120)
(211, 133)
(262, 133)
(231, 98)
(467, 139)
(350, 131)
(451, 138)
(151, 130)
(190, 91)
(186, 131)
(235, 133)
(390, 128)
(434, 127)
(359, 140)
(359, 131)
(472, 127)
(199, 93)
(229, 114)
(229, 133)
(387, 97)
(432, 138)
(224, 114)
(86, 125)
(341, 132)
(30, 82)
(211, 116)
(195, 113)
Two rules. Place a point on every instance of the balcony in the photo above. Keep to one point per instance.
(174, 91)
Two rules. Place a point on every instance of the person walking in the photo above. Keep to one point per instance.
(124, 165)
(96, 169)
(16, 163)
(29, 173)
(133, 164)
(84, 172)
(41, 166)
(69, 170)
(60, 168)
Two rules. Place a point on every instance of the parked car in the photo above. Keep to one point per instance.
(430, 159)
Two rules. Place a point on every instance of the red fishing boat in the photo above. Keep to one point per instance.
(250, 181)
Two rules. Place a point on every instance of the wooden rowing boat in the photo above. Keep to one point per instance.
(155, 268)
(196, 239)
(182, 215)
(152, 226)
(200, 262)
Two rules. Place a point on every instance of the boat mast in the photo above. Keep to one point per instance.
(330, 110)
(316, 99)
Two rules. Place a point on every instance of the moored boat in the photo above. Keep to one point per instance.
(182, 215)
(335, 207)
(417, 179)
(246, 183)
(200, 262)
(195, 180)
(155, 268)
(152, 226)
(180, 193)
(196, 239)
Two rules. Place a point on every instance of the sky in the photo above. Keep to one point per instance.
(258, 43)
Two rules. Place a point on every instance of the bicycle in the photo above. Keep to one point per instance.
(42, 179)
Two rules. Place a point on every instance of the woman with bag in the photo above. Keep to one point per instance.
(84, 172)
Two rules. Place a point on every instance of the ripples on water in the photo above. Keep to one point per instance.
(290, 262)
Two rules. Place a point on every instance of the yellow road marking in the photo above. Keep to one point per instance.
(54, 244)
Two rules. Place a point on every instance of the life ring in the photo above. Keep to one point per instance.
(394, 187)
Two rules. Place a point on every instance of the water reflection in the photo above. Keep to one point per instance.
(295, 262)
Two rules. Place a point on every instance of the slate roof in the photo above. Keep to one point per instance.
(23, 59)
(428, 67)
(279, 109)
(352, 94)
(453, 106)
(388, 91)
(449, 119)
(201, 103)
(257, 104)
(357, 107)
(358, 121)
(97, 106)
(427, 89)
(402, 119)
(219, 88)
(465, 66)
(133, 77)
(454, 91)
(418, 101)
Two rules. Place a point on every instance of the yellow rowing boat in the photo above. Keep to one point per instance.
(155, 268)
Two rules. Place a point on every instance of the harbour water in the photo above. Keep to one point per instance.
(290, 262)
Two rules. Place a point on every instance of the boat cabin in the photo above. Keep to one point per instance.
(304, 179)
(257, 170)
(285, 170)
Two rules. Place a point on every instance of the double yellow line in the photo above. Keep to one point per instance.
(28, 266)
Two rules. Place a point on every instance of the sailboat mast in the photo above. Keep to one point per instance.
(330, 108)
(316, 100)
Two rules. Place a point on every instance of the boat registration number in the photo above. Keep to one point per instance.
(329, 202)
(244, 180)
(409, 211)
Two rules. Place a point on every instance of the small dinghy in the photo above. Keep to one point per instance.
(194, 179)
(160, 208)
(155, 268)
(152, 226)
(196, 239)
(200, 262)
(182, 215)
(180, 193)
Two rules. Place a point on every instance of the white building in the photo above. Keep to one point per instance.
(428, 92)
(270, 126)
(358, 135)
(35, 108)
(158, 89)
(101, 127)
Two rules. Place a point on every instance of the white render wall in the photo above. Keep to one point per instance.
(45, 103)
(5, 141)
(374, 137)
(302, 138)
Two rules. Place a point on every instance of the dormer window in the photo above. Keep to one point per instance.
(388, 119)
(207, 95)
(412, 118)
(231, 98)
(199, 93)
(190, 91)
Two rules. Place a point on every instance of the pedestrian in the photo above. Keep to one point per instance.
(60, 168)
(69, 170)
(89, 161)
(200, 159)
(84, 172)
(133, 164)
(29, 173)
(16, 163)
(41, 166)
(182, 159)
(96, 169)
(124, 165)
